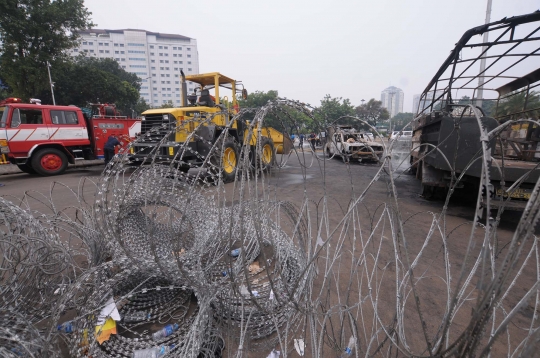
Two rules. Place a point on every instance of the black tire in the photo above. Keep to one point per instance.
(266, 159)
(26, 168)
(224, 163)
(49, 161)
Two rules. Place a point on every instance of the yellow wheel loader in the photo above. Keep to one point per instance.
(206, 133)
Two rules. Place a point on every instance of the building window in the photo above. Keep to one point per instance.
(84, 43)
(160, 47)
(153, 61)
(117, 59)
(169, 82)
(168, 75)
(123, 66)
(162, 75)
(166, 54)
(161, 54)
(137, 66)
(178, 95)
(154, 75)
(141, 73)
(154, 81)
(155, 88)
(180, 48)
(90, 43)
(165, 47)
(166, 61)
(180, 55)
(155, 101)
(121, 45)
(153, 68)
(85, 50)
(122, 52)
(175, 62)
(117, 52)
(176, 68)
(174, 48)
(136, 51)
(189, 62)
(168, 89)
(174, 55)
(189, 48)
(137, 59)
(107, 51)
(189, 69)
(92, 51)
(106, 44)
(123, 59)
(100, 44)
(161, 68)
(176, 82)
(166, 68)
(75, 50)
(134, 44)
(100, 51)
(188, 55)
(160, 61)
(151, 54)
(115, 45)
(181, 62)
(144, 87)
(162, 82)
(151, 46)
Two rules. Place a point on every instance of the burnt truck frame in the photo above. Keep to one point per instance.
(475, 142)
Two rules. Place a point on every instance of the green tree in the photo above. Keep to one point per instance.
(33, 33)
(141, 106)
(372, 112)
(334, 110)
(400, 120)
(513, 104)
(167, 104)
(90, 80)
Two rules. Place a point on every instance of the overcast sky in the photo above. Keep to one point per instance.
(306, 49)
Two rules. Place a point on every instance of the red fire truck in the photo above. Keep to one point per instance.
(43, 139)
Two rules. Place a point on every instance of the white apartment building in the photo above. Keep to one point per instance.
(392, 100)
(155, 57)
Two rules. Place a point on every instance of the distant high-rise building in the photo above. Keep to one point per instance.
(425, 103)
(155, 57)
(392, 100)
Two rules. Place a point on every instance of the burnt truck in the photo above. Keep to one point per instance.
(347, 143)
(476, 123)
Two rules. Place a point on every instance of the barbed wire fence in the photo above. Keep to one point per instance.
(240, 270)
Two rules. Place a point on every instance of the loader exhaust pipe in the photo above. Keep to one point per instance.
(184, 89)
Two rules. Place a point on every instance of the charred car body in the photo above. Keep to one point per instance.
(349, 144)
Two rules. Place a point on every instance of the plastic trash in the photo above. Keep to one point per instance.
(165, 331)
(66, 327)
(154, 352)
(235, 253)
(350, 346)
(299, 345)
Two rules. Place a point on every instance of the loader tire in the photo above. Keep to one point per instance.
(266, 158)
(224, 163)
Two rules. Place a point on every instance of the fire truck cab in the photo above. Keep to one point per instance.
(43, 139)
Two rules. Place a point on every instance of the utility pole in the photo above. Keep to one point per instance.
(51, 82)
(481, 80)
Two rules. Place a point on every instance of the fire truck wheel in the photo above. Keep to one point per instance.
(26, 168)
(49, 161)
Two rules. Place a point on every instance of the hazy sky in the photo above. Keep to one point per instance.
(306, 49)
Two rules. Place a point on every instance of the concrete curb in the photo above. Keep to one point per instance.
(6, 169)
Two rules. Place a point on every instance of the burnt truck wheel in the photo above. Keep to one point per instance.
(26, 168)
(266, 159)
(49, 161)
(225, 161)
